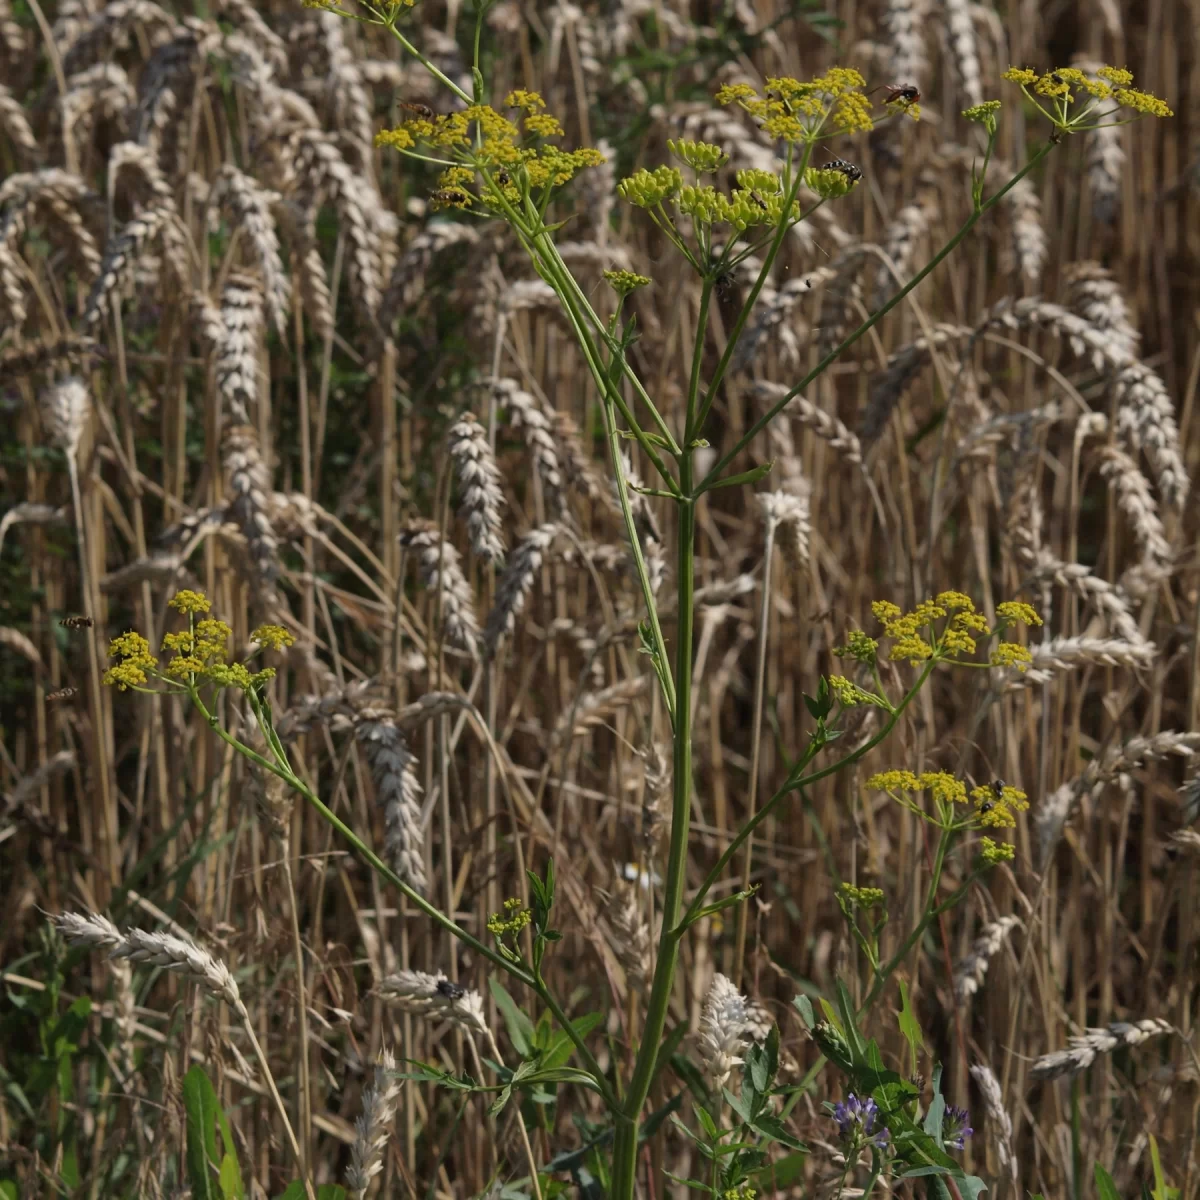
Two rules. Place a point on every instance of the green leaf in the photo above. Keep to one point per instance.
(331, 1191)
(707, 1123)
(785, 1172)
(1106, 1187)
(751, 476)
(519, 1026)
(9, 1190)
(725, 902)
(650, 1126)
(970, 1186)
(935, 1118)
(909, 1026)
(803, 1006)
(560, 1048)
(668, 1047)
(771, 1127)
(201, 1108)
(230, 1178)
(1161, 1191)
(849, 1028)
(738, 1104)
(293, 1191)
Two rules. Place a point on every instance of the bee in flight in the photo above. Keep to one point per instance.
(76, 622)
(451, 991)
(421, 110)
(851, 172)
(67, 693)
(902, 93)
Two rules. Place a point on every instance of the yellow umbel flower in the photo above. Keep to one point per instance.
(188, 601)
(274, 637)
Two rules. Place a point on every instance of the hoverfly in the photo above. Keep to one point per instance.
(851, 172)
(757, 199)
(67, 693)
(503, 178)
(422, 110)
(450, 990)
(76, 622)
(450, 196)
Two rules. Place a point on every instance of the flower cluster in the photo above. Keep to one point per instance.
(996, 803)
(757, 200)
(1074, 101)
(848, 694)
(199, 653)
(955, 1129)
(860, 897)
(624, 282)
(856, 1121)
(501, 926)
(507, 158)
(791, 111)
(916, 637)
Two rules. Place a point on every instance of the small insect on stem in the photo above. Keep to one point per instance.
(76, 622)
(422, 110)
(757, 199)
(450, 196)
(67, 693)
(450, 990)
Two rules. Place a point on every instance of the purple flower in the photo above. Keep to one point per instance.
(955, 1129)
(856, 1121)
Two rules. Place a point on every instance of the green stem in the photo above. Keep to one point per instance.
(436, 915)
(793, 784)
(711, 478)
(437, 74)
(752, 296)
(624, 1169)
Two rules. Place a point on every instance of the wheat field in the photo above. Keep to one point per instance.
(243, 351)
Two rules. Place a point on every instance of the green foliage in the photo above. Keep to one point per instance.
(213, 1172)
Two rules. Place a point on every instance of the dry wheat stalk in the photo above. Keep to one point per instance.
(723, 1030)
(441, 573)
(516, 583)
(630, 931)
(1108, 600)
(435, 996)
(525, 415)
(1134, 500)
(905, 23)
(322, 167)
(1000, 1124)
(960, 33)
(1105, 158)
(121, 257)
(16, 127)
(1083, 1049)
(374, 1126)
(888, 385)
(900, 242)
(165, 90)
(1094, 295)
(249, 207)
(482, 501)
(249, 481)
(788, 511)
(595, 708)
(394, 769)
(238, 347)
(112, 27)
(408, 278)
(65, 204)
(1073, 653)
(102, 92)
(66, 409)
(970, 972)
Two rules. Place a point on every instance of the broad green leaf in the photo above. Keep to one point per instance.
(519, 1026)
(935, 1119)
(909, 1026)
(560, 1048)
(293, 1191)
(200, 1108)
(1106, 1187)
(970, 1186)
(1161, 1191)
(651, 1124)
(803, 1006)
(9, 1190)
(230, 1179)
(707, 1123)
(784, 1172)
(331, 1191)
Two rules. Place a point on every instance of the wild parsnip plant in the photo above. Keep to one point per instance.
(795, 764)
